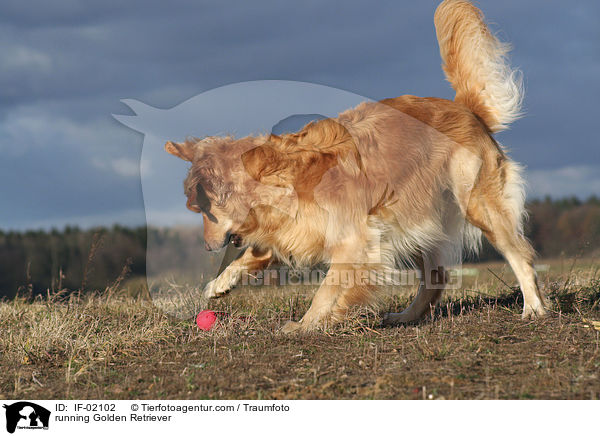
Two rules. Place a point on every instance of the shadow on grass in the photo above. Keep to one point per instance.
(559, 301)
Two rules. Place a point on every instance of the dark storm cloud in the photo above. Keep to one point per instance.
(64, 65)
(140, 49)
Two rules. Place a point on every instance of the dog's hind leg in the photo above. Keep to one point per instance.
(497, 209)
(434, 263)
(252, 259)
(434, 278)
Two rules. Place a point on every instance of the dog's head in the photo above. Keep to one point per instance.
(213, 187)
(233, 182)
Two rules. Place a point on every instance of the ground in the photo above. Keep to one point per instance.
(474, 346)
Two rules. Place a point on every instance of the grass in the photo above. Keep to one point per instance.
(474, 346)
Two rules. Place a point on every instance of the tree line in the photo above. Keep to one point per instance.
(92, 259)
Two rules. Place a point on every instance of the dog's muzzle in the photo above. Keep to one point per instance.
(230, 238)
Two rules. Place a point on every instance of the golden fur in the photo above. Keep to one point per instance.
(405, 179)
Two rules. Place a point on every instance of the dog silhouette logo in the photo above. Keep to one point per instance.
(26, 415)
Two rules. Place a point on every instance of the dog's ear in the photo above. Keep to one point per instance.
(183, 150)
(268, 166)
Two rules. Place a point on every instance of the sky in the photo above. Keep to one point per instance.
(66, 65)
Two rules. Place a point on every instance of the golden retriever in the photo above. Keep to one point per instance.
(404, 179)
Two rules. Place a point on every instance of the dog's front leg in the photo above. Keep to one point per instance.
(321, 308)
(344, 286)
(252, 259)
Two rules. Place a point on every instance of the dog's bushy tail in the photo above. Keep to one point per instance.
(475, 63)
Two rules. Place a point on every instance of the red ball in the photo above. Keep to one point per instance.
(206, 320)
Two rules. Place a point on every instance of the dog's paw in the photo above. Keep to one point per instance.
(215, 289)
(534, 311)
(301, 327)
(392, 319)
(223, 283)
(291, 327)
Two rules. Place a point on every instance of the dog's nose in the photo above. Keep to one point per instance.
(213, 245)
(193, 207)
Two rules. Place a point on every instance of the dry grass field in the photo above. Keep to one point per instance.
(474, 346)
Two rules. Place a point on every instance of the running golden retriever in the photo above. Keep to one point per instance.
(404, 179)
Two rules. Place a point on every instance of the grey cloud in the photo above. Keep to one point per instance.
(562, 182)
(64, 66)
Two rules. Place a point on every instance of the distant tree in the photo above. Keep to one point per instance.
(38, 260)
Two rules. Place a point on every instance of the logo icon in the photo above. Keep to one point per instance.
(26, 415)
